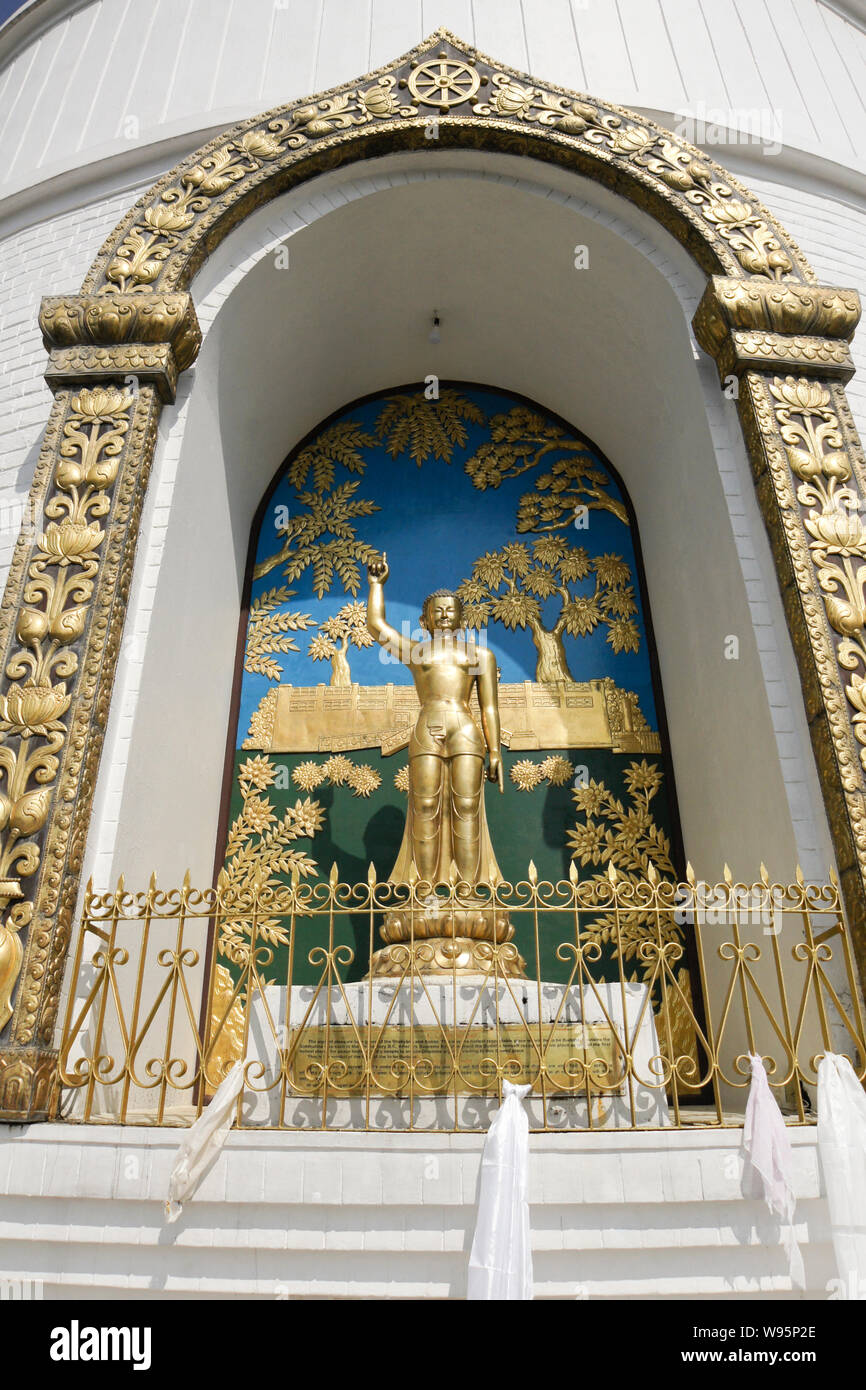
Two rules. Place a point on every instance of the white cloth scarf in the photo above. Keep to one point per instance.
(203, 1142)
(842, 1147)
(768, 1163)
(500, 1265)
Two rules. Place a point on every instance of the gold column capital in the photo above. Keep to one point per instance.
(111, 337)
(756, 324)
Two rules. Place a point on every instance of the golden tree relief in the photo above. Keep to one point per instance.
(510, 585)
(519, 440)
(347, 627)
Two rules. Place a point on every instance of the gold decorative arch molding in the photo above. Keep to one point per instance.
(115, 353)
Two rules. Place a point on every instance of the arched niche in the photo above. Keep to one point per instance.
(771, 330)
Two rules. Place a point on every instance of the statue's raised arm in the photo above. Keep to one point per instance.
(488, 700)
(385, 635)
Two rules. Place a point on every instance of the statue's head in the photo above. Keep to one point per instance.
(442, 610)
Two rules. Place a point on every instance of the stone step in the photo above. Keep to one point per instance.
(282, 1216)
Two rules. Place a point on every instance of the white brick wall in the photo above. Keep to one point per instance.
(831, 231)
(50, 257)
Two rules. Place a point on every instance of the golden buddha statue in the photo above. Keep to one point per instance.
(446, 840)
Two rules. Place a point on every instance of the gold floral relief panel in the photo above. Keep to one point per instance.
(443, 93)
(70, 579)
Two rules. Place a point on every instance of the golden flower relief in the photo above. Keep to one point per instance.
(364, 780)
(259, 772)
(258, 814)
(339, 771)
(33, 708)
(101, 402)
(800, 392)
(526, 774)
(808, 425)
(71, 540)
(309, 775)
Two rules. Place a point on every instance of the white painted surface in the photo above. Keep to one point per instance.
(366, 1216)
(89, 81)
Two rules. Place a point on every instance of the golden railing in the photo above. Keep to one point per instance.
(170, 988)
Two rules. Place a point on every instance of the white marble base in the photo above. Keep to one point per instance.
(267, 1101)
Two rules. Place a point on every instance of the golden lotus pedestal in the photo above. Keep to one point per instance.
(469, 938)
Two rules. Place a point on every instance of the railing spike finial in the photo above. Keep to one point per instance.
(690, 874)
(652, 873)
(296, 877)
(728, 876)
(413, 873)
(532, 872)
(765, 876)
(120, 886)
(187, 882)
(800, 879)
(833, 876)
(572, 871)
(333, 876)
(611, 872)
(222, 880)
(151, 887)
(371, 874)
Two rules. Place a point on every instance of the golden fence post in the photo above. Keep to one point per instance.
(713, 1060)
(108, 950)
(136, 1003)
(783, 993)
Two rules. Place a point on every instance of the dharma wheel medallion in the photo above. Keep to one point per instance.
(443, 82)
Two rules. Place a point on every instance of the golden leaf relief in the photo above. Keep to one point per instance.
(261, 852)
(627, 839)
(411, 424)
(268, 632)
(321, 535)
(519, 440)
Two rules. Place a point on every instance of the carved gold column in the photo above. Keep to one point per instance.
(788, 346)
(113, 361)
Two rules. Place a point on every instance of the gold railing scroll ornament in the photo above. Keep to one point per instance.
(143, 333)
(325, 1049)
